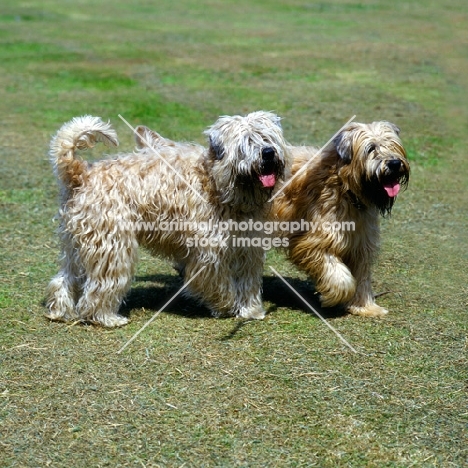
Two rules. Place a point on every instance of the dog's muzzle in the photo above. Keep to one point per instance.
(268, 167)
(394, 165)
(391, 180)
(268, 154)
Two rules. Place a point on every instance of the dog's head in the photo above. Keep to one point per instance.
(373, 163)
(247, 157)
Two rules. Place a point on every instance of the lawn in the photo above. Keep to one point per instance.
(192, 390)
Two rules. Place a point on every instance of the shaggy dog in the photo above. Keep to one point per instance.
(340, 194)
(179, 200)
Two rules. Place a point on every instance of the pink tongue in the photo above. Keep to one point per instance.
(268, 180)
(392, 188)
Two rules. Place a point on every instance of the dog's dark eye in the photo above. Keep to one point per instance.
(218, 152)
(371, 148)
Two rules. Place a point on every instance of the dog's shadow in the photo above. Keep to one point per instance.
(162, 288)
(301, 297)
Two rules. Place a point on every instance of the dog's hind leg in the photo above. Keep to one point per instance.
(109, 263)
(64, 289)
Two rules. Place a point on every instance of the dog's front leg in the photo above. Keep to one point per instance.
(247, 274)
(212, 284)
(334, 281)
(363, 302)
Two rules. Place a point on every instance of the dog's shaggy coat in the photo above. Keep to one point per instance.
(355, 178)
(105, 204)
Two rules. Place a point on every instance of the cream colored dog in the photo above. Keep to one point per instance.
(110, 207)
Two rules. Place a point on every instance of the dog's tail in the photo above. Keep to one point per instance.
(78, 134)
(147, 138)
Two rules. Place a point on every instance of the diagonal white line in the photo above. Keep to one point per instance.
(313, 310)
(304, 167)
(157, 153)
(160, 310)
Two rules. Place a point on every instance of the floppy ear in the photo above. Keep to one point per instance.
(276, 120)
(393, 127)
(343, 146)
(216, 148)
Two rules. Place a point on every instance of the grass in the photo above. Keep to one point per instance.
(196, 391)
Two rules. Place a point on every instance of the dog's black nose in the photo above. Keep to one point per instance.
(394, 164)
(268, 154)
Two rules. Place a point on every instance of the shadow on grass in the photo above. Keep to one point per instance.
(154, 297)
(280, 296)
(276, 295)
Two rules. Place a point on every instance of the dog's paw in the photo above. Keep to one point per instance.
(372, 310)
(337, 286)
(60, 316)
(256, 313)
(109, 321)
(60, 303)
(61, 312)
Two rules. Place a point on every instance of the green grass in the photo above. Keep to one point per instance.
(197, 391)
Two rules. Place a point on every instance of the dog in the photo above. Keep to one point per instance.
(356, 178)
(111, 207)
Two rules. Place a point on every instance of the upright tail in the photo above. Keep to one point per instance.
(78, 134)
(147, 138)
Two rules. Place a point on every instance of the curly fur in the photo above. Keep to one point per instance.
(221, 182)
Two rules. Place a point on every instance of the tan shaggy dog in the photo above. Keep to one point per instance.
(353, 180)
(112, 206)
